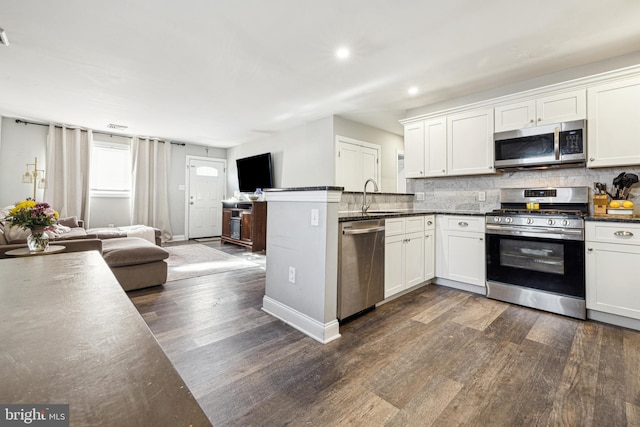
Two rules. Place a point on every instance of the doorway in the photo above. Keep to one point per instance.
(206, 182)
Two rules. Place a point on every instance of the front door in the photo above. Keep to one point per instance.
(206, 192)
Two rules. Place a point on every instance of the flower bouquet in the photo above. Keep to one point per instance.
(38, 217)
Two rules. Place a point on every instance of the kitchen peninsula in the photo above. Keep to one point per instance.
(70, 335)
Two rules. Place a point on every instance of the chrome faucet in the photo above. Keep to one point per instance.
(365, 206)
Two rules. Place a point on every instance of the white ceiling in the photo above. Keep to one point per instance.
(224, 72)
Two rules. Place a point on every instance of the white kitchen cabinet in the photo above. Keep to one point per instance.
(460, 249)
(435, 147)
(545, 110)
(612, 123)
(425, 148)
(404, 254)
(414, 150)
(612, 250)
(470, 143)
(429, 247)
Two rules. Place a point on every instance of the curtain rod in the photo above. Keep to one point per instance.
(24, 122)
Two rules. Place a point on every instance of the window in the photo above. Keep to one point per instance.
(110, 169)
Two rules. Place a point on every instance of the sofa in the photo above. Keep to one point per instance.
(134, 254)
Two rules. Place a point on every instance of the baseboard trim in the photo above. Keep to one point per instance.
(614, 319)
(460, 285)
(178, 238)
(321, 332)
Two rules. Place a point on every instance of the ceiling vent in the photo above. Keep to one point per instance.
(114, 126)
(3, 38)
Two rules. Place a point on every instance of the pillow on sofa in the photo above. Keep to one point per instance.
(3, 240)
(70, 221)
(15, 234)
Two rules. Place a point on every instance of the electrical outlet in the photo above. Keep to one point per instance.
(292, 275)
(314, 217)
(482, 196)
(420, 195)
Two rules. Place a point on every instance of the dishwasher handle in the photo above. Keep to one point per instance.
(362, 230)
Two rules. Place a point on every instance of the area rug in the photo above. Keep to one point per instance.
(186, 261)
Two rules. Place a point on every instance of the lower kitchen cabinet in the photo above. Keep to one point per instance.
(429, 247)
(460, 249)
(612, 254)
(404, 254)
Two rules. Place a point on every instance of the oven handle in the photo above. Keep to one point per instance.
(556, 142)
(505, 229)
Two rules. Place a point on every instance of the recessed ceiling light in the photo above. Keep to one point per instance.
(413, 90)
(3, 38)
(342, 53)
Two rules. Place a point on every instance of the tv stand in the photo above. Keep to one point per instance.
(245, 224)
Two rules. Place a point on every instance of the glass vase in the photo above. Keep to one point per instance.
(38, 241)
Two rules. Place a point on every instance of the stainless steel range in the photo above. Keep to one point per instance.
(535, 249)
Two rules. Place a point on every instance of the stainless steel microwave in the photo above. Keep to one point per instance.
(560, 144)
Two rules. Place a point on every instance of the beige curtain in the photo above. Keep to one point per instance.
(150, 185)
(67, 171)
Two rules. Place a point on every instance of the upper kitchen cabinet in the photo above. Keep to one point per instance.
(545, 110)
(470, 143)
(414, 150)
(425, 148)
(613, 123)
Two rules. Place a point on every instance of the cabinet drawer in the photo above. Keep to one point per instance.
(613, 232)
(393, 227)
(462, 223)
(413, 224)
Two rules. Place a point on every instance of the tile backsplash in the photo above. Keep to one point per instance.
(461, 193)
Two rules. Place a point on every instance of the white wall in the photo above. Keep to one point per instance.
(20, 145)
(301, 156)
(507, 89)
(388, 141)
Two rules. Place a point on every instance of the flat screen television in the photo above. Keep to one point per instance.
(254, 172)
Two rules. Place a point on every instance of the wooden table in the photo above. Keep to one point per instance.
(69, 334)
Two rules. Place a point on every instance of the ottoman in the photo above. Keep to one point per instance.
(136, 262)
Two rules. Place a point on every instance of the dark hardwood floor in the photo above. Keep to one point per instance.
(436, 356)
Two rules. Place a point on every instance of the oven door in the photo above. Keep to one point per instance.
(550, 265)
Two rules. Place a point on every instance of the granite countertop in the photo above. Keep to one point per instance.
(614, 218)
(397, 213)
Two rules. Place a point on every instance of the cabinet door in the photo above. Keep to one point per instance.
(393, 265)
(414, 150)
(470, 143)
(561, 107)
(465, 257)
(226, 222)
(429, 255)
(611, 286)
(414, 259)
(435, 147)
(518, 115)
(246, 232)
(613, 125)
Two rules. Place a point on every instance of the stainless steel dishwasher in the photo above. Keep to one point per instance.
(360, 266)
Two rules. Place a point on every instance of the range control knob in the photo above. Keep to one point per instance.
(497, 219)
(565, 222)
(529, 220)
(508, 220)
(551, 221)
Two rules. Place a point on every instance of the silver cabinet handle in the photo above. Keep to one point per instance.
(362, 230)
(463, 224)
(429, 222)
(591, 159)
(590, 249)
(531, 121)
(623, 234)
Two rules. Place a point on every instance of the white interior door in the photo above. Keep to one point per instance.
(356, 162)
(206, 192)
